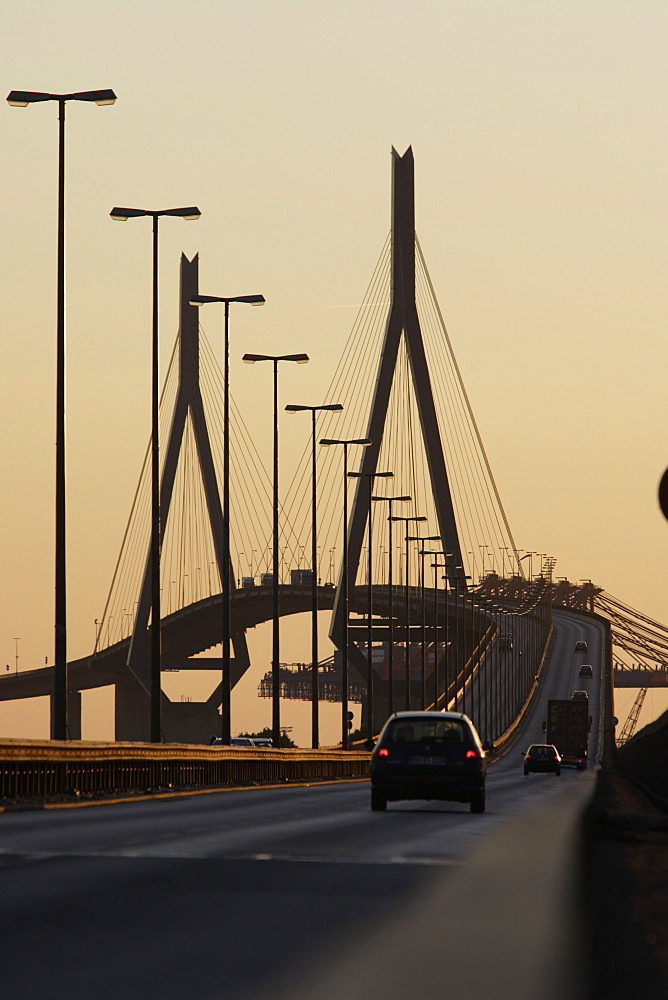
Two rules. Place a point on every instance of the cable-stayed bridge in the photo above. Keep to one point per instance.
(458, 618)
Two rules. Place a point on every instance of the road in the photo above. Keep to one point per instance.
(241, 893)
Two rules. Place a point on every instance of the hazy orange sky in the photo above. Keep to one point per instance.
(540, 147)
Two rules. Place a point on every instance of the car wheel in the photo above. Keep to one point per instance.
(478, 802)
(378, 801)
(526, 770)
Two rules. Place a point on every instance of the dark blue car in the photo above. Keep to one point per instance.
(428, 755)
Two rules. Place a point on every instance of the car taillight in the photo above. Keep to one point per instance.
(472, 753)
(383, 752)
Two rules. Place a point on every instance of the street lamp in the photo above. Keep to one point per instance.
(299, 359)
(446, 629)
(122, 215)
(21, 99)
(436, 566)
(408, 609)
(226, 693)
(390, 609)
(461, 576)
(370, 476)
(364, 443)
(485, 605)
(294, 408)
(483, 550)
(423, 666)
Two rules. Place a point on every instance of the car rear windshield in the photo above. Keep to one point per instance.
(446, 731)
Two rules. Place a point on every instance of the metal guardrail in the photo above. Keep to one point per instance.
(59, 770)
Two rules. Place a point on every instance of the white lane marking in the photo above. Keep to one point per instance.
(299, 859)
(398, 860)
(313, 859)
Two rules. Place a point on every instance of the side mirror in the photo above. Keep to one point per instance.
(523, 754)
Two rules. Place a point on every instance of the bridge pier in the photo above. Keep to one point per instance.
(190, 722)
(182, 722)
(461, 642)
(131, 710)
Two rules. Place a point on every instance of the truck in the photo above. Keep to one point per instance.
(567, 728)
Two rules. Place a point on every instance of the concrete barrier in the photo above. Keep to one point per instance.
(504, 925)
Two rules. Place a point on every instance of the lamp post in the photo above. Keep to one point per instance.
(448, 556)
(345, 442)
(461, 577)
(521, 559)
(226, 694)
(436, 566)
(504, 552)
(251, 359)
(483, 550)
(408, 609)
(122, 215)
(370, 476)
(390, 608)
(484, 608)
(313, 410)
(423, 666)
(21, 99)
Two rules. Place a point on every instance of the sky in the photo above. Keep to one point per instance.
(540, 160)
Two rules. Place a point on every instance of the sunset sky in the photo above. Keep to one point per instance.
(538, 130)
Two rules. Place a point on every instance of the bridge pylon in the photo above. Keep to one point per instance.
(133, 720)
(402, 321)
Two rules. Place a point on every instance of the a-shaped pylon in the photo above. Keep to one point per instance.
(188, 399)
(402, 320)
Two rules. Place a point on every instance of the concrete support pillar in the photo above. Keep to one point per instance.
(131, 711)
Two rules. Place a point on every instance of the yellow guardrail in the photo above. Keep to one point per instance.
(51, 769)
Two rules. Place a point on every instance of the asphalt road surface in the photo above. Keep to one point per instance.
(241, 894)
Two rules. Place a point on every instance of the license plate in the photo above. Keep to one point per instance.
(426, 760)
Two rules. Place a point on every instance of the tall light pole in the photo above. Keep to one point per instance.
(122, 215)
(346, 442)
(448, 556)
(436, 566)
(21, 99)
(299, 359)
(461, 577)
(390, 608)
(483, 550)
(483, 604)
(370, 476)
(423, 665)
(406, 520)
(521, 559)
(313, 410)
(226, 699)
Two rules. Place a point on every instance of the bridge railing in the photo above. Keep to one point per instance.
(54, 771)
(492, 678)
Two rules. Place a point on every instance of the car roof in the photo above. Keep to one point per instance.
(429, 715)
